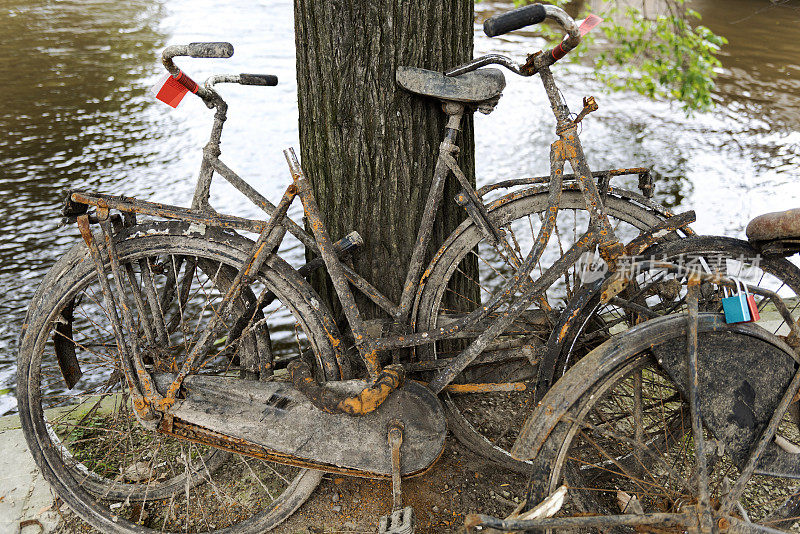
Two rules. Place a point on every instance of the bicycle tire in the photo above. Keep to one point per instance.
(519, 208)
(100, 477)
(594, 448)
(589, 330)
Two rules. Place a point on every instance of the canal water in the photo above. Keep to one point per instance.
(77, 113)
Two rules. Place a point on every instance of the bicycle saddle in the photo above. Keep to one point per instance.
(776, 225)
(473, 87)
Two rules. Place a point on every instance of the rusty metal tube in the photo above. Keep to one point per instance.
(364, 342)
(262, 250)
(473, 521)
(329, 401)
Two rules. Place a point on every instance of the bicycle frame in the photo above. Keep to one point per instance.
(520, 291)
(600, 232)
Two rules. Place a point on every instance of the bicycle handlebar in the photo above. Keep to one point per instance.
(535, 14)
(210, 50)
(570, 26)
(258, 79)
(514, 20)
(242, 79)
(197, 50)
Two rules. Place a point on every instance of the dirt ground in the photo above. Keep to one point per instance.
(458, 484)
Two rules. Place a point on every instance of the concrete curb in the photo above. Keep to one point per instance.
(27, 505)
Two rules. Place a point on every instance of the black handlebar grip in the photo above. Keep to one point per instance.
(258, 79)
(514, 20)
(219, 50)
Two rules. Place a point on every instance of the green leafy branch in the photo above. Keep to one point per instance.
(664, 54)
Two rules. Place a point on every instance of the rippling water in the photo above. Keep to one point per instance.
(77, 113)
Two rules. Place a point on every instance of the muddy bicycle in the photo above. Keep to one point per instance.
(684, 423)
(175, 374)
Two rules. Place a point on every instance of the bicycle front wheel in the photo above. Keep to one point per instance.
(625, 443)
(488, 422)
(75, 405)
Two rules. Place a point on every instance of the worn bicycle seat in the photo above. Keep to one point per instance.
(476, 86)
(776, 225)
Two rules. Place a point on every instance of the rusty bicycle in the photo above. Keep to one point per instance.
(682, 423)
(178, 375)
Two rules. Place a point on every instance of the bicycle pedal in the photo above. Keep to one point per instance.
(400, 521)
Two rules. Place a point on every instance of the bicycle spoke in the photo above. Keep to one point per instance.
(156, 307)
(136, 474)
(138, 299)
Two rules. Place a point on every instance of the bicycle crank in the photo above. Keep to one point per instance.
(274, 421)
(401, 520)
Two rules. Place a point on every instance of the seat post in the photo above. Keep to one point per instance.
(454, 112)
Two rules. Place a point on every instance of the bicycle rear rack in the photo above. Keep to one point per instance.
(604, 178)
(78, 203)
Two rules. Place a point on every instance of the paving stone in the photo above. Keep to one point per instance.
(24, 493)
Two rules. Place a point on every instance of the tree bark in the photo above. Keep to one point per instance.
(368, 147)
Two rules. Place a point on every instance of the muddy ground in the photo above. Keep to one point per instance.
(459, 483)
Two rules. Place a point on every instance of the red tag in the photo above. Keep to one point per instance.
(585, 27)
(751, 303)
(170, 90)
(589, 24)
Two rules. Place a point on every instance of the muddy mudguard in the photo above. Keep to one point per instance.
(744, 372)
(65, 348)
(742, 380)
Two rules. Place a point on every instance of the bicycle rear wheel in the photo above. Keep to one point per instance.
(488, 422)
(78, 418)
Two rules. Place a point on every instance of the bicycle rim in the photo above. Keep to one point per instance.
(665, 294)
(488, 423)
(113, 472)
(616, 458)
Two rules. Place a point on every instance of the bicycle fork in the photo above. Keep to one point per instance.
(138, 379)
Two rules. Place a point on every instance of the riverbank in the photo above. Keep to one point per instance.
(459, 483)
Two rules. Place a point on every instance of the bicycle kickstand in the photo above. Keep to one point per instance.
(401, 520)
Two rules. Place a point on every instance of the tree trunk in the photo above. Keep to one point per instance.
(368, 147)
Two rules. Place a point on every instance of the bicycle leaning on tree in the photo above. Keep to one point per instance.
(176, 375)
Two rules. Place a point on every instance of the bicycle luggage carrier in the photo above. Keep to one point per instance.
(78, 203)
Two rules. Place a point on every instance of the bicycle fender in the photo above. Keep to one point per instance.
(608, 357)
(735, 402)
(65, 348)
(659, 232)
